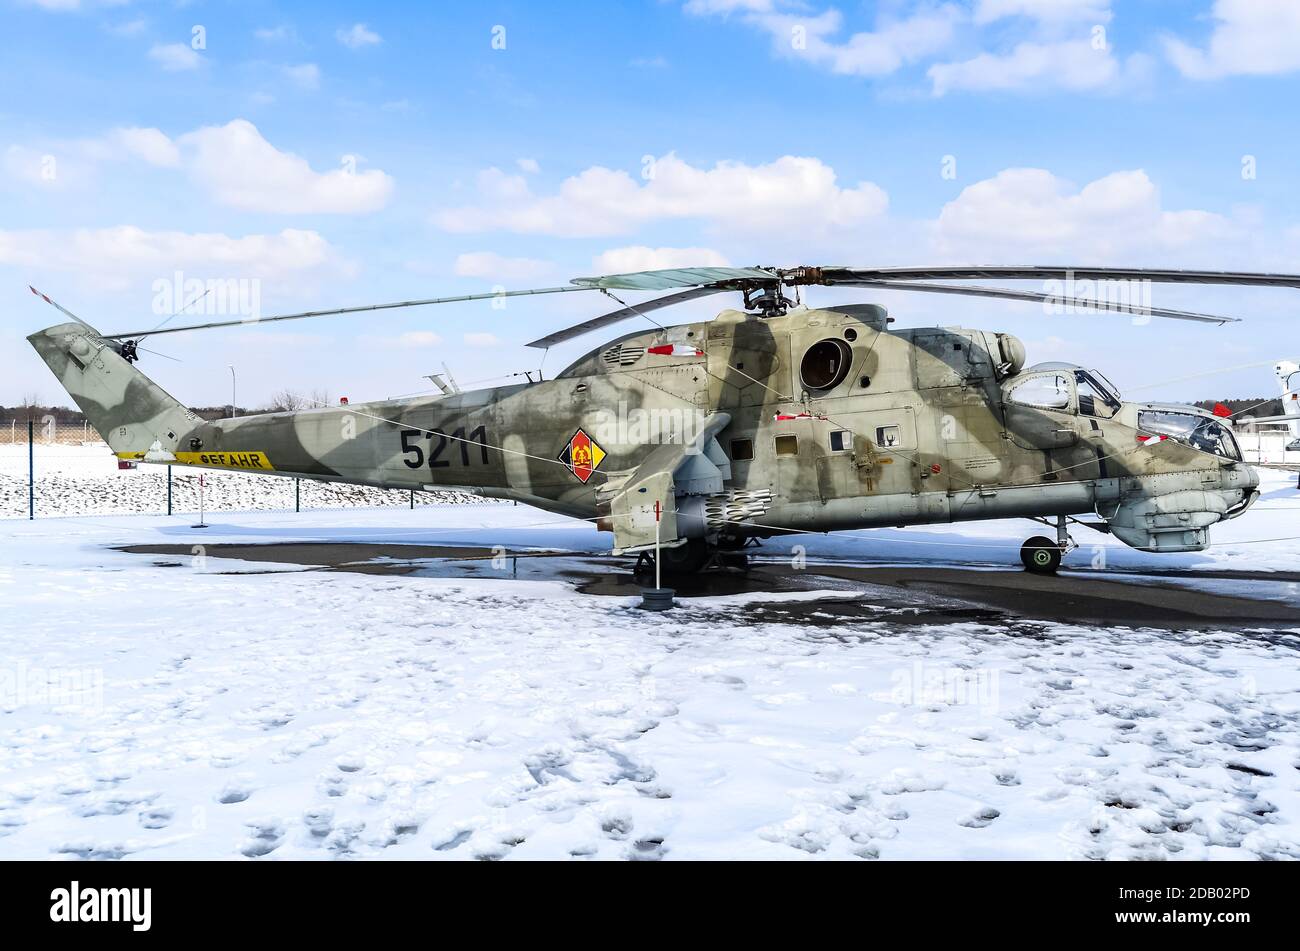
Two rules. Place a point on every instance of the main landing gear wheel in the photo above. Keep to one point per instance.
(685, 559)
(1041, 555)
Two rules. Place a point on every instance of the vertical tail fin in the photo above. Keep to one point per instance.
(132, 413)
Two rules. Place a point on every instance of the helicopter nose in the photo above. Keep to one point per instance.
(1250, 477)
(1239, 486)
(1180, 521)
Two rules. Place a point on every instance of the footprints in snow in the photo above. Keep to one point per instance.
(981, 818)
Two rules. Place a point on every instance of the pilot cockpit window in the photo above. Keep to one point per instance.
(1048, 392)
(1095, 398)
(1191, 429)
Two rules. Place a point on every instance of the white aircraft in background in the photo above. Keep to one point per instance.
(1288, 374)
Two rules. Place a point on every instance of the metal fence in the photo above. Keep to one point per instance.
(67, 476)
(47, 432)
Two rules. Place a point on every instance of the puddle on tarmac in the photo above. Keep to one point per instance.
(899, 594)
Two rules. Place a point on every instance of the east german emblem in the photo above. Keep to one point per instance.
(582, 455)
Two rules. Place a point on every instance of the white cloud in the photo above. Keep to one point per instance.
(1069, 64)
(31, 167)
(411, 340)
(175, 57)
(1251, 37)
(528, 165)
(74, 162)
(1027, 213)
(275, 34)
(148, 145)
(114, 258)
(1056, 51)
(128, 27)
(57, 6)
(481, 340)
(798, 32)
(357, 36)
(243, 170)
(304, 76)
(494, 267)
(642, 258)
(731, 195)
(1046, 11)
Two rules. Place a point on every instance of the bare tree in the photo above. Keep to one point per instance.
(31, 403)
(286, 401)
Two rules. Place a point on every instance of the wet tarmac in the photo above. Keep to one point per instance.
(900, 594)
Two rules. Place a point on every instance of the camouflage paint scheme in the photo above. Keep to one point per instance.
(671, 428)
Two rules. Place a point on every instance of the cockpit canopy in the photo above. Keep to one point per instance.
(1191, 429)
(1054, 385)
(1068, 388)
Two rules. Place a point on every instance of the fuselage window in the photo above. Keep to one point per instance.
(841, 440)
(1046, 392)
(887, 437)
(742, 450)
(787, 445)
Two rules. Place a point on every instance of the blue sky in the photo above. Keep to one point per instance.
(332, 154)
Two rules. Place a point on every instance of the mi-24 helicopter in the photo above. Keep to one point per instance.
(772, 419)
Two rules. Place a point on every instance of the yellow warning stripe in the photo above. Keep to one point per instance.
(215, 460)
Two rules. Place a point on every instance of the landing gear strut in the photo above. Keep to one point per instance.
(1041, 555)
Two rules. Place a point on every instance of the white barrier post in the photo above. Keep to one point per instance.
(201, 524)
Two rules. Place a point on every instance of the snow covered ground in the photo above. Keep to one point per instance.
(224, 709)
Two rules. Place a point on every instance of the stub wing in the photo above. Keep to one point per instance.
(645, 505)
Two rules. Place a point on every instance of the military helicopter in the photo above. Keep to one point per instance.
(770, 420)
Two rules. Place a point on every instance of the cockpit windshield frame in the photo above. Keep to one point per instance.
(1111, 388)
(1202, 433)
(1109, 404)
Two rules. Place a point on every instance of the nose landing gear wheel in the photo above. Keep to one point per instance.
(1041, 555)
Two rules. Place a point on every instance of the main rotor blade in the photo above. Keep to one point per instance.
(1267, 419)
(170, 317)
(56, 305)
(1006, 293)
(842, 275)
(250, 322)
(668, 278)
(613, 317)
